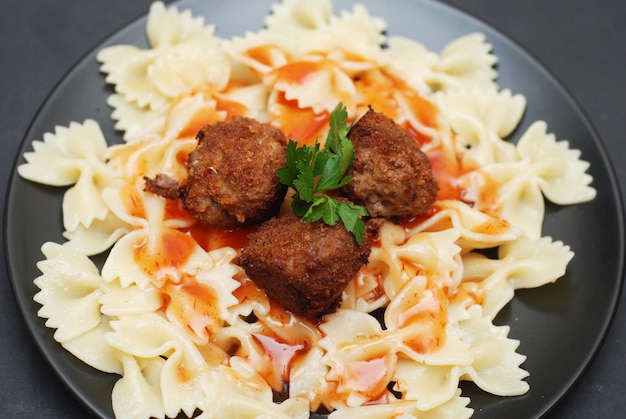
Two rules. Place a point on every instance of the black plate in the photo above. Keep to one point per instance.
(561, 326)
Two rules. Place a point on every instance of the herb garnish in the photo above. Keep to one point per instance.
(312, 171)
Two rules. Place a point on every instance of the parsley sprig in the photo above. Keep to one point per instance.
(312, 171)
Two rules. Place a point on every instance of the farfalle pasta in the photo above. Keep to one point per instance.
(184, 54)
(178, 320)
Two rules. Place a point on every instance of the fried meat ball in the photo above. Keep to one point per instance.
(391, 176)
(304, 266)
(232, 176)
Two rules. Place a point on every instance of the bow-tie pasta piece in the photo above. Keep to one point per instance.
(293, 15)
(317, 29)
(524, 263)
(169, 26)
(69, 292)
(546, 169)
(93, 349)
(138, 393)
(429, 386)
(496, 365)
(357, 347)
(482, 119)
(410, 61)
(315, 84)
(183, 54)
(73, 155)
(466, 61)
(476, 229)
(180, 377)
(456, 407)
(561, 174)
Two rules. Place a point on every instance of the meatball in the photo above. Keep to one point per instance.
(391, 176)
(232, 177)
(304, 266)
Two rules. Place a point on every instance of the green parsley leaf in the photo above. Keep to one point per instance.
(338, 129)
(331, 176)
(298, 206)
(321, 208)
(305, 182)
(312, 171)
(289, 173)
(350, 217)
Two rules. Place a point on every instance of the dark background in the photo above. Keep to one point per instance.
(582, 42)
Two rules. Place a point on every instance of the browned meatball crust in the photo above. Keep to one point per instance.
(391, 176)
(232, 176)
(164, 186)
(304, 266)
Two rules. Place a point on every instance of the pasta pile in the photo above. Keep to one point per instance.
(182, 324)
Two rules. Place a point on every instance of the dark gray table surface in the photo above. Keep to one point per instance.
(582, 42)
